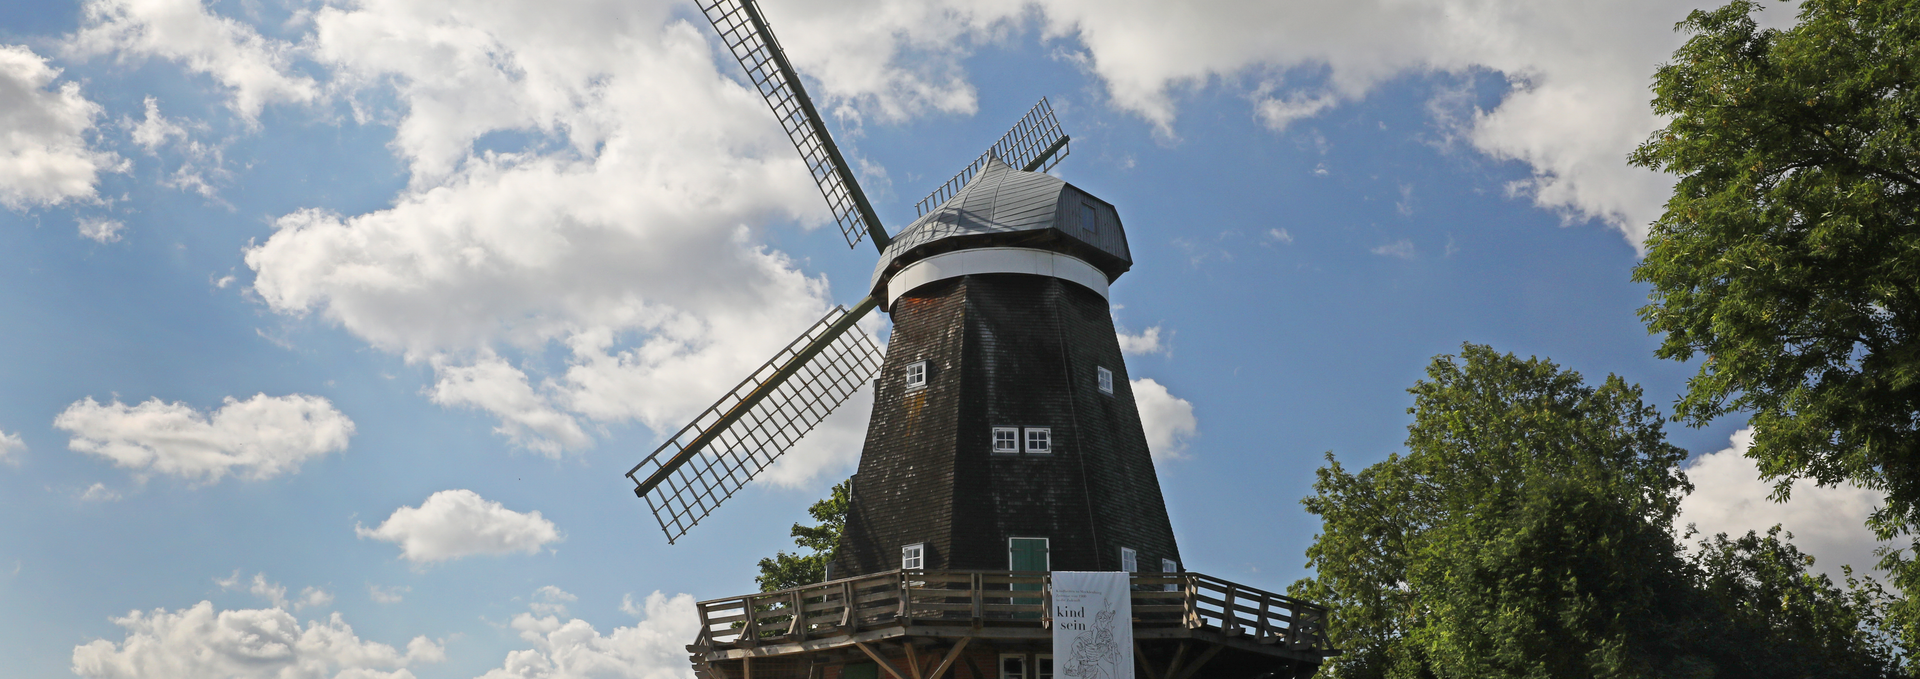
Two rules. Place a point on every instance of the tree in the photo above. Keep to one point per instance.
(1527, 532)
(784, 570)
(1789, 253)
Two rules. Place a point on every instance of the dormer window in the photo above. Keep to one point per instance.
(1105, 377)
(1089, 219)
(913, 556)
(1006, 439)
(916, 375)
(1039, 440)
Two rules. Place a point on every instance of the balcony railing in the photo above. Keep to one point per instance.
(1000, 599)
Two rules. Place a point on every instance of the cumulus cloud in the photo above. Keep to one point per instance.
(99, 492)
(1168, 419)
(44, 157)
(551, 600)
(1281, 236)
(1143, 344)
(620, 235)
(275, 593)
(1827, 522)
(101, 230)
(1399, 249)
(11, 448)
(653, 648)
(387, 595)
(259, 438)
(267, 643)
(254, 69)
(453, 524)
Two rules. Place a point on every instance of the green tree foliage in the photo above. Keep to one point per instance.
(785, 570)
(1789, 253)
(1527, 532)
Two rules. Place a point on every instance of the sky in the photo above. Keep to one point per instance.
(331, 327)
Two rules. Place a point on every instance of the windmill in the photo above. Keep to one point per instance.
(746, 430)
(1004, 441)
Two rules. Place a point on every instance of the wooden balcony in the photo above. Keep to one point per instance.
(1009, 607)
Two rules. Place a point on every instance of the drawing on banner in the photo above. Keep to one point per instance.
(1092, 625)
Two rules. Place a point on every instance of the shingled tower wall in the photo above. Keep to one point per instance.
(1004, 349)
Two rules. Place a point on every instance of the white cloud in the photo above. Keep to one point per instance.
(1401, 249)
(11, 448)
(653, 648)
(276, 593)
(387, 595)
(1829, 523)
(1144, 344)
(1277, 113)
(526, 417)
(259, 438)
(266, 643)
(101, 230)
(1280, 236)
(1167, 419)
(99, 492)
(44, 158)
(453, 524)
(255, 70)
(200, 162)
(551, 600)
(618, 235)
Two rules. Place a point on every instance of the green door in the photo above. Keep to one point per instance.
(865, 670)
(1027, 554)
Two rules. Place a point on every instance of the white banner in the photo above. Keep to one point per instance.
(1092, 625)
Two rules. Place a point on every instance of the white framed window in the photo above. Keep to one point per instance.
(1129, 560)
(1106, 380)
(1006, 439)
(1013, 666)
(1170, 567)
(916, 375)
(913, 556)
(1039, 440)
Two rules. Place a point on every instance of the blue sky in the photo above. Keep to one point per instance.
(331, 327)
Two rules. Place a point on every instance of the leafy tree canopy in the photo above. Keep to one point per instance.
(1789, 253)
(821, 540)
(1527, 532)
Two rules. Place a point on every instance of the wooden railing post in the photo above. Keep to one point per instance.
(977, 590)
(797, 628)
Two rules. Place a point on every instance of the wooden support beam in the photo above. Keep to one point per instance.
(974, 669)
(1173, 668)
(746, 667)
(951, 656)
(913, 659)
(1140, 657)
(877, 660)
(1198, 663)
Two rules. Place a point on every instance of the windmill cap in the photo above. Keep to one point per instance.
(1007, 208)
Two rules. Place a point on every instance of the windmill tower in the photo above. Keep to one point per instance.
(1004, 441)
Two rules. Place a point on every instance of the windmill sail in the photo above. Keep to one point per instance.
(1035, 144)
(754, 424)
(746, 34)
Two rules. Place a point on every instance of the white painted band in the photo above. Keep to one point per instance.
(995, 260)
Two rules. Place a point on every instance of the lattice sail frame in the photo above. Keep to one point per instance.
(1036, 142)
(744, 30)
(749, 444)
